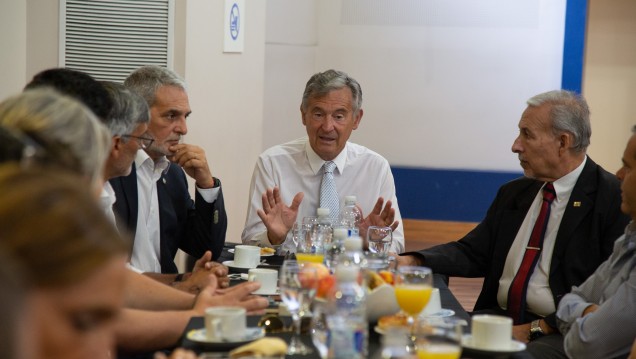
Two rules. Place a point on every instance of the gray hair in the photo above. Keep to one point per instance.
(60, 123)
(129, 109)
(322, 83)
(146, 80)
(569, 113)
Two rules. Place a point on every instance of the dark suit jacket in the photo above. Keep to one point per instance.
(192, 226)
(584, 240)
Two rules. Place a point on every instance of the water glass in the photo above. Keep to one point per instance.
(379, 239)
(439, 338)
(298, 284)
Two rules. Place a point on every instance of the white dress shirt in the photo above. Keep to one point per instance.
(146, 248)
(539, 297)
(147, 244)
(294, 167)
(106, 200)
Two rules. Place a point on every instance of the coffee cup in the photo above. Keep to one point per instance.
(268, 278)
(491, 332)
(434, 304)
(225, 323)
(247, 256)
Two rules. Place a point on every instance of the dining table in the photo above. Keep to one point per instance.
(448, 301)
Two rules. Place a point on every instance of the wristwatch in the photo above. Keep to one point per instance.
(535, 330)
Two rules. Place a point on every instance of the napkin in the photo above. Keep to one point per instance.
(264, 347)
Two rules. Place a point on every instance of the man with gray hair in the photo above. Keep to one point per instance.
(127, 122)
(295, 172)
(153, 201)
(544, 232)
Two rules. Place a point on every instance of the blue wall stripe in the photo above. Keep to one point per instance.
(574, 45)
(447, 195)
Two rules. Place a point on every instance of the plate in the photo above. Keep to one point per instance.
(251, 334)
(467, 343)
(231, 250)
(230, 264)
(443, 313)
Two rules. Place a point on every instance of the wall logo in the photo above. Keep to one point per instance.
(235, 21)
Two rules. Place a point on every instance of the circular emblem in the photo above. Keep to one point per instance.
(235, 19)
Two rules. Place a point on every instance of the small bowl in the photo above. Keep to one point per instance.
(381, 301)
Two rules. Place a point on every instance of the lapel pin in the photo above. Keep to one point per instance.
(577, 204)
(164, 180)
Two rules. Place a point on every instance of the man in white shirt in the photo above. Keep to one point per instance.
(153, 201)
(292, 173)
(582, 219)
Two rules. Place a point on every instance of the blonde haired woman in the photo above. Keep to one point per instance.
(63, 128)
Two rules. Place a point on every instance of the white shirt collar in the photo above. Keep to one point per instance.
(564, 185)
(142, 157)
(315, 162)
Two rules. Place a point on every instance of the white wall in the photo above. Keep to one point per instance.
(226, 97)
(610, 78)
(444, 82)
(13, 34)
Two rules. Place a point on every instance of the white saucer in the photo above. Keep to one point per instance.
(277, 292)
(251, 334)
(443, 313)
(230, 264)
(231, 250)
(515, 346)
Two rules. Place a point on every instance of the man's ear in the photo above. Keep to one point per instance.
(117, 143)
(302, 115)
(357, 119)
(566, 140)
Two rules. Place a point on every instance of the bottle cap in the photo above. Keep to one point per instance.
(352, 244)
(350, 200)
(345, 273)
(323, 212)
(340, 233)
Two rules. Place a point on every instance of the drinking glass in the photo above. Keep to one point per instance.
(379, 239)
(413, 287)
(298, 284)
(308, 249)
(439, 338)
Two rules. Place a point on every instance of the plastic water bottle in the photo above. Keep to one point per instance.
(347, 321)
(322, 232)
(350, 216)
(334, 250)
(353, 253)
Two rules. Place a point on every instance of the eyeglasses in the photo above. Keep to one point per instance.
(144, 142)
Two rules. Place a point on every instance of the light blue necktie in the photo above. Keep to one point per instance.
(328, 193)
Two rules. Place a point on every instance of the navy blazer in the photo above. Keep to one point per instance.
(584, 240)
(192, 226)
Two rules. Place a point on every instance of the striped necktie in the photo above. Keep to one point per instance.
(328, 193)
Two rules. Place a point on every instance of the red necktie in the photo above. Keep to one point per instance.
(519, 285)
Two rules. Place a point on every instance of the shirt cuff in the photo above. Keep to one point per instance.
(261, 240)
(209, 194)
(133, 268)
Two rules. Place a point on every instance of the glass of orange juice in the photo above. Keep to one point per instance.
(439, 338)
(413, 287)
